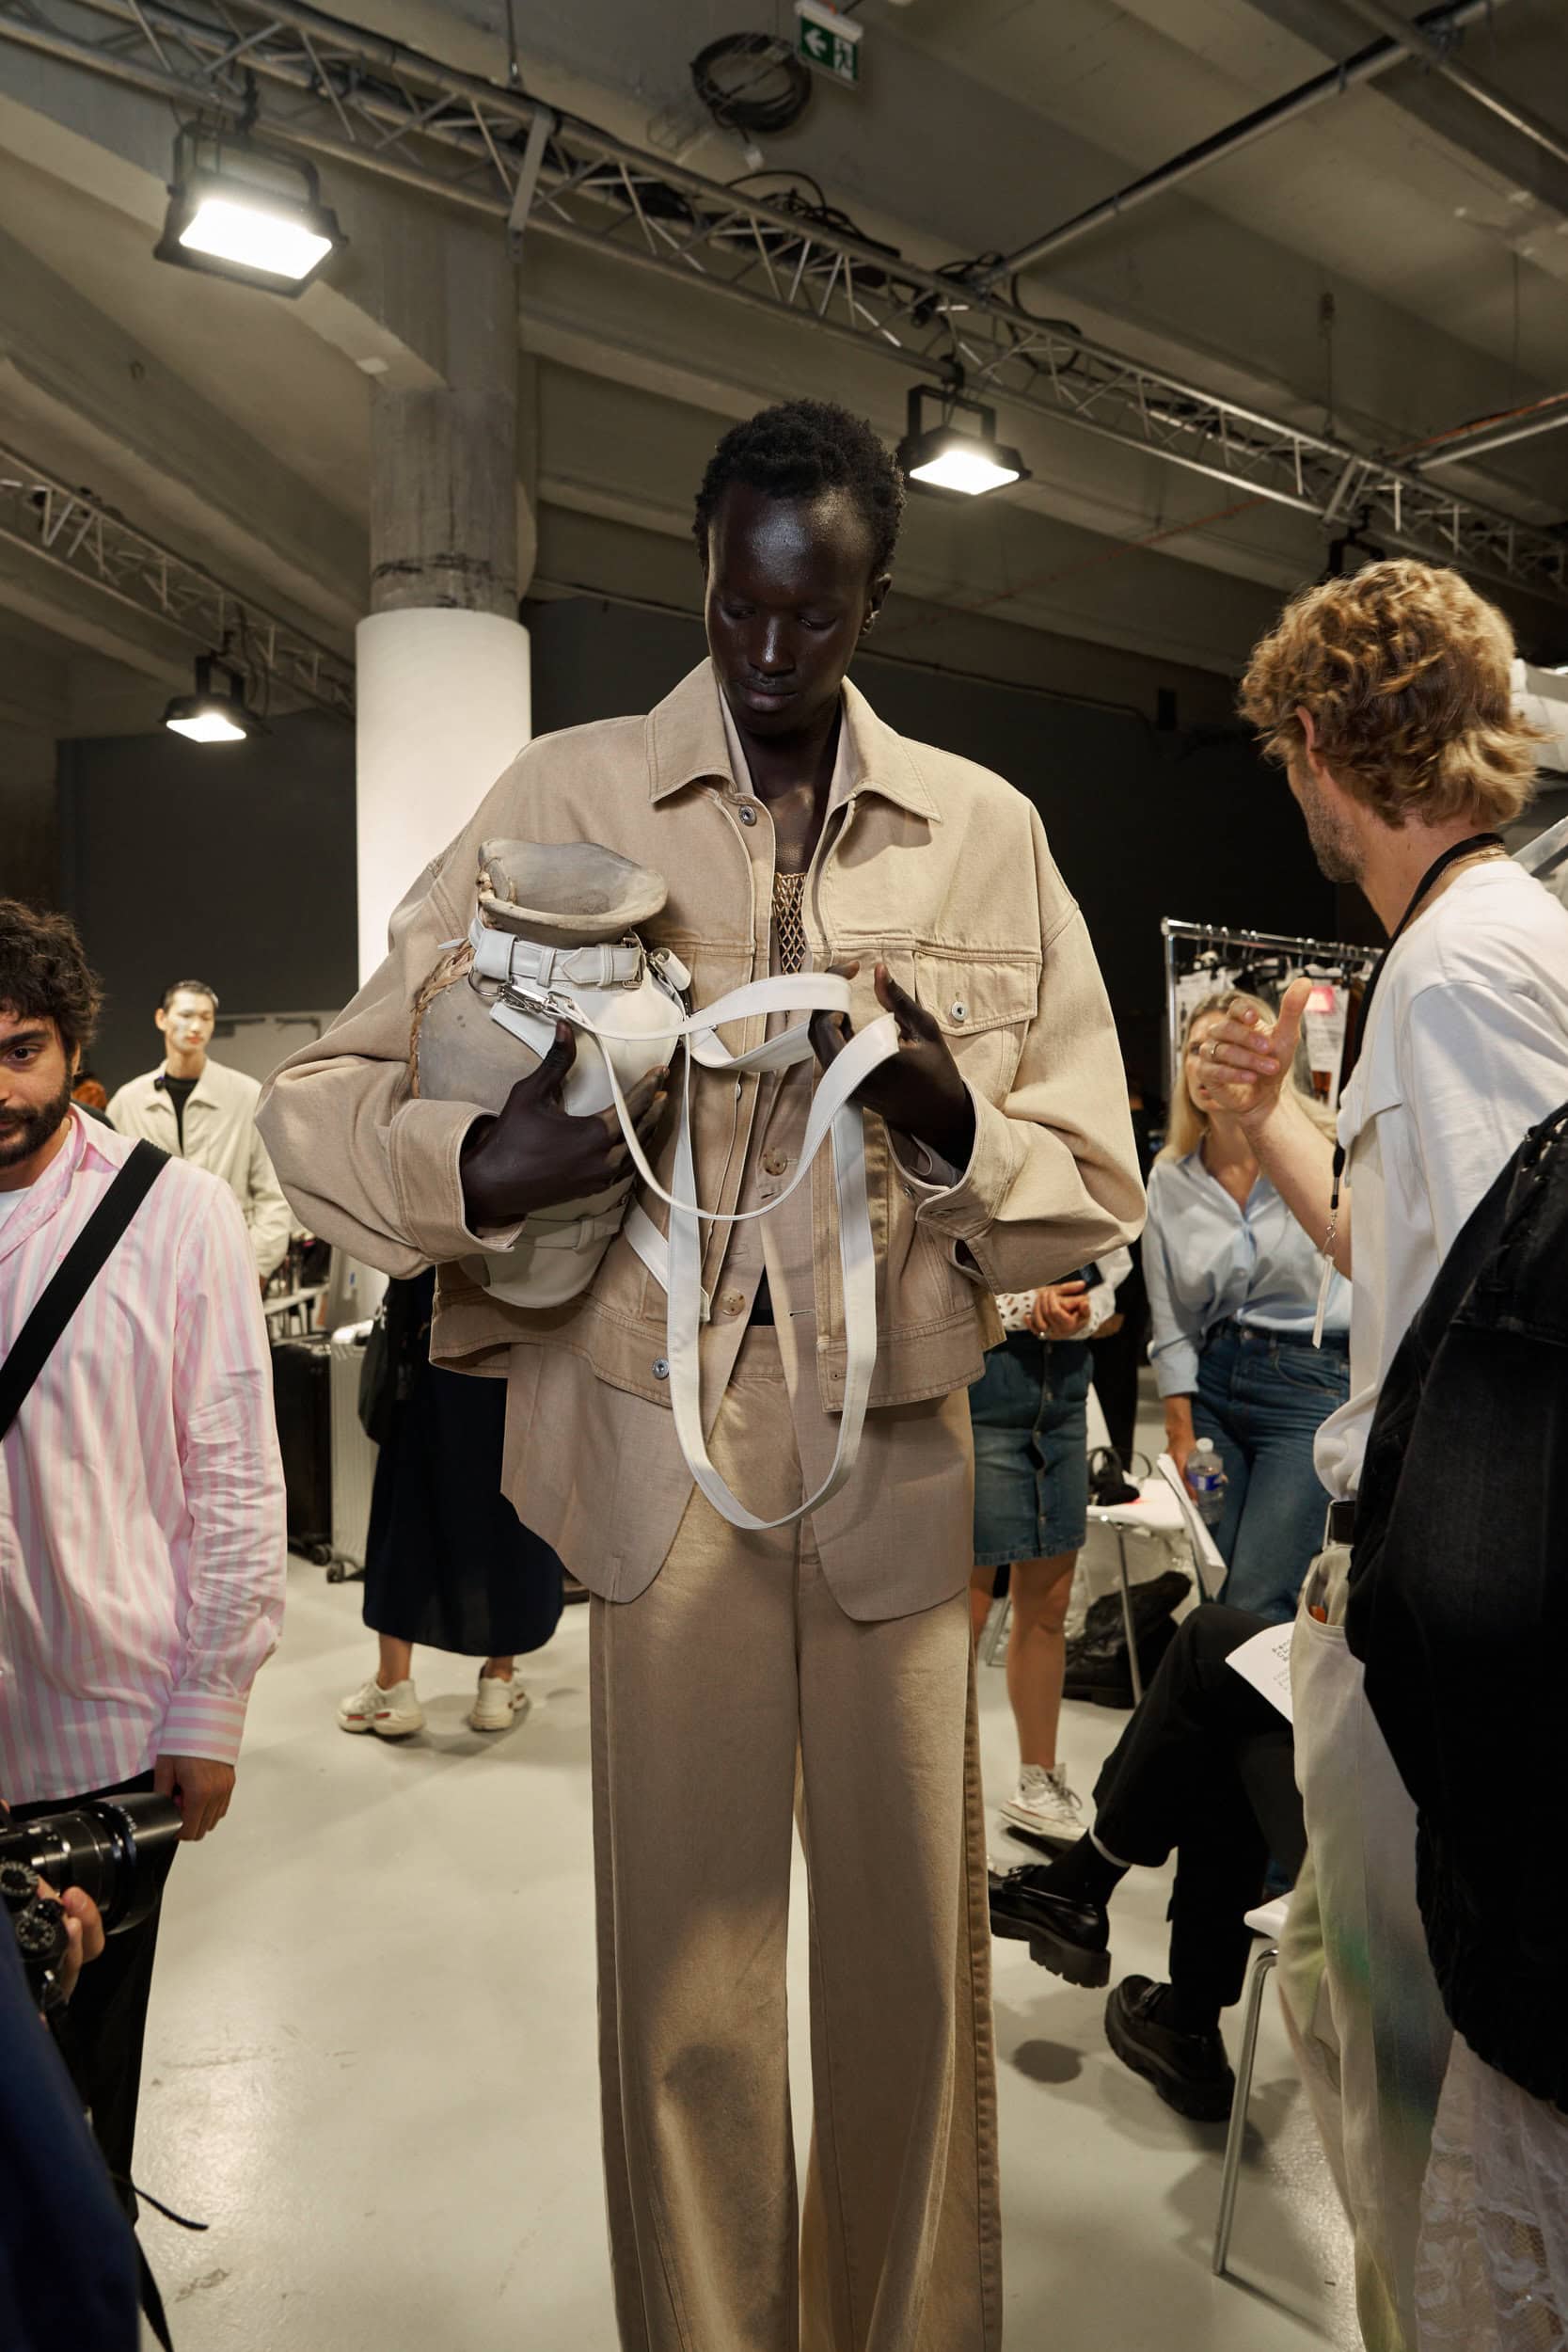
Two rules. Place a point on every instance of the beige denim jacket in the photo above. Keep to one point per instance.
(934, 866)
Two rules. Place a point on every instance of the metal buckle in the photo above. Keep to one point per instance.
(548, 1006)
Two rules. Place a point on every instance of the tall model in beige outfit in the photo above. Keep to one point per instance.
(837, 1650)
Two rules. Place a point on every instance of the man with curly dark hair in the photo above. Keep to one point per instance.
(795, 833)
(140, 1490)
(1388, 699)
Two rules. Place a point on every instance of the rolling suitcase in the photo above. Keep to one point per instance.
(301, 1375)
(354, 1460)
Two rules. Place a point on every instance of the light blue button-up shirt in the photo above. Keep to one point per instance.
(1207, 1260)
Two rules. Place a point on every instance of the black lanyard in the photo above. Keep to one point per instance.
(1356, 1037)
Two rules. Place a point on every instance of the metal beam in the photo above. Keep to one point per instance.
(1517, 425)
(1433, 43)
(1304, 99)
(75, 535)
(328, 89)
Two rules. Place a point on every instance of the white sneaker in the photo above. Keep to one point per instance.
(498, 1705)
(1044, 1802)
(391, 1714)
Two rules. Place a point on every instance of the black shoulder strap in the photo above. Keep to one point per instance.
(76, 1276)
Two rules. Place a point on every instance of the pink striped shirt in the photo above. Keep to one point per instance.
(142, 1541)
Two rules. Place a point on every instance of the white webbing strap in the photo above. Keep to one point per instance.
(866, 1051)
(504, 956)
(654, 1251)
(834, 1113)
(858, 1263)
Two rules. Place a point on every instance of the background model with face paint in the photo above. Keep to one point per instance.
(795, 833)
(205, 1112)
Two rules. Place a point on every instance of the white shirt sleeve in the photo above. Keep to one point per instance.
(1114, 1269)
(1481, 1067)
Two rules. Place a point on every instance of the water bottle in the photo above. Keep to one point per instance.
(1206, 1479)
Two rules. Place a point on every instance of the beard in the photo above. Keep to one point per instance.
(23, 1133)
(1338, 858)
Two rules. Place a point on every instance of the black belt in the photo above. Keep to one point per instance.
(1341, 1522)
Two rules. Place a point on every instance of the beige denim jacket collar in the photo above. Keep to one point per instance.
(688, 744)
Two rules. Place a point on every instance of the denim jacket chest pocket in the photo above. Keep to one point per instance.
(982, 1001)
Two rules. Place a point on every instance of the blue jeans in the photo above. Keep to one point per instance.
(1262, 1400)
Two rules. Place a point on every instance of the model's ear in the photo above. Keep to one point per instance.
(875, 597)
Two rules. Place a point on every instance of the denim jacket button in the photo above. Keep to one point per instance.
(661, 1368)
(747, 814)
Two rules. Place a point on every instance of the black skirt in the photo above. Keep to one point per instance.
(448, 1564)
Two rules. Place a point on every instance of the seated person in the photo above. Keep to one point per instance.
(1205, 1770)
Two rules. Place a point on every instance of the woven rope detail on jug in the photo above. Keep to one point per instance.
(789, 927)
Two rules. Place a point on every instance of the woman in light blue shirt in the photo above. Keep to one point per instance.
(1232, 1291)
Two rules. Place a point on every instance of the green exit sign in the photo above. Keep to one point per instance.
(828, 41)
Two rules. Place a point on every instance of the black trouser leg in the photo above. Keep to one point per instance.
(101, 2033)
(1180, 1745)
(1205, 1766)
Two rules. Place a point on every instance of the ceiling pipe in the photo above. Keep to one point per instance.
(1428, 42)
(1364, 67)
(1545, 416)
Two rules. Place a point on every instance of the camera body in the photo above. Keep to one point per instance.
(117, 1850)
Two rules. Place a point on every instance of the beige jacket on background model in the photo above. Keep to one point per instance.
(934, 866)
(219, 1135)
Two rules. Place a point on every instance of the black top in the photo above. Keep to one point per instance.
(179, 1092)
(1459, 1610)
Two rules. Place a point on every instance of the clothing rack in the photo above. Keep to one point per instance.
(1329, 954)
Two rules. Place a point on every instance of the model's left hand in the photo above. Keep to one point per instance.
(199, 1787)
(919, 1092)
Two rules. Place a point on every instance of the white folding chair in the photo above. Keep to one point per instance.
(1156, 1512)
(1268, 1921)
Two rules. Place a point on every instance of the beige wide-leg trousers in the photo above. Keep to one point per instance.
(1360, 1995)
(734, 1674)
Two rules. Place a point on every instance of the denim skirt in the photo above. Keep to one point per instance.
(1029, 1409)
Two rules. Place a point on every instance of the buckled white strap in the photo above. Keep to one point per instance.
(525, 963)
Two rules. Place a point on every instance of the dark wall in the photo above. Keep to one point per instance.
(233, 863)
(1143, 823)
(237, 864)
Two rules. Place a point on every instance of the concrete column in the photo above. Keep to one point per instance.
(443, 662)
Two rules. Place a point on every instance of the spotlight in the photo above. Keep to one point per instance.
(962, 460)
(238, 212)
(212, 714)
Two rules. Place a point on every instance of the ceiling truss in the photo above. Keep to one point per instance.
(325, 88)
(76, 534)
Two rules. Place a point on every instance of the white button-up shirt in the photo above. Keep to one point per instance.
(1209, 1259)
(142, 1533)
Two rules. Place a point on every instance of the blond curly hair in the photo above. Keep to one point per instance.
(1407, 672)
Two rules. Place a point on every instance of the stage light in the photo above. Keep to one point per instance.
(240, 212)
(214, 714)
(962, 461)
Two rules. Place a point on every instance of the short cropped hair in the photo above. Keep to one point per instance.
(1405, 670)
(196, 987)
(803, 449)
(44, 974)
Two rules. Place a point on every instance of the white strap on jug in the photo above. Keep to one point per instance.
(834, 1113)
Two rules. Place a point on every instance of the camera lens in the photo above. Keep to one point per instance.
(117, 1850)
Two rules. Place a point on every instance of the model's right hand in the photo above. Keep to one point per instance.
(536, 1154)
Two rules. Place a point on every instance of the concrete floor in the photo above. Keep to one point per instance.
(371, 2060)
